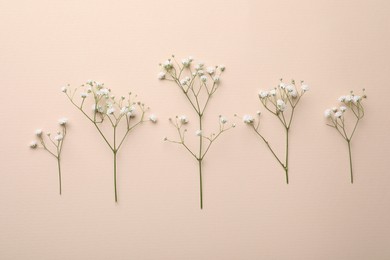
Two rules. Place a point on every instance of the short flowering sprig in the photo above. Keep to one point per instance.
(336, 118)
(107, 108)
(52, 144)
(198, 84)
(281, 102)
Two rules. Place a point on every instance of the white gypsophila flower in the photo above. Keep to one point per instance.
(58, 137)
(203, 78)
(83, 95)
(161, 75)
(153, 118)
(334, 109)
(216, 80)
(124, 110)
(282, 85)
(167, 65)
(327, 113)
(89, 82)
(293, 93)
(356, 99)
(305, 87)
(341, 98)
(280, 105)
(348, 99)
(97, 108)
(183, 82)
(183, 119)
(110, 111)
(223, 120)
(258, 112)
(186, 62)
(222, 68)
(190, 58)
(131, 113)
(99, 84)
(33, 144)
(290, 88)
(38, 132)
(338, 114)
(89, 90)
(103, 92)
(272, 92)
(263, 94)
(64, 89)
(198, 132)
(343, 108)
(248, 119)
(63, 121)
(200, 72)
(210, 70)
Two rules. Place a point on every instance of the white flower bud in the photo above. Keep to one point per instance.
(210, 70)
(33, 144)
(338, 114)
(305, 88)
(327, 113)
(248, 119)
(183, 119)
(161, 75)
(38, 132)
(153, 118)
(280, 105)
(63, 121)
(58, 137)
(263, 94)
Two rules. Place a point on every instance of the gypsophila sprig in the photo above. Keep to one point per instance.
(52, 144)
(281, 102)
(336, 119)
(198, 84)
(124, 111)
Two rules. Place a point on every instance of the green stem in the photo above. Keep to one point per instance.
(59, 173)
(286, 164)
(200, 162)
(200, 183)
(350, 159)
(116, 196)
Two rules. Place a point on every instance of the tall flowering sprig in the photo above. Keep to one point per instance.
(336, 119)
(198, 84)
(281, 102)
(52, 144)
(107, 108)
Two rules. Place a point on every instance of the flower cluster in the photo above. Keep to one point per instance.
(106, 107)
(198, 83)
(336, 118)
(280, 101)
(52, 144)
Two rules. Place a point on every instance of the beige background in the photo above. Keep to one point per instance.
(250, 213)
